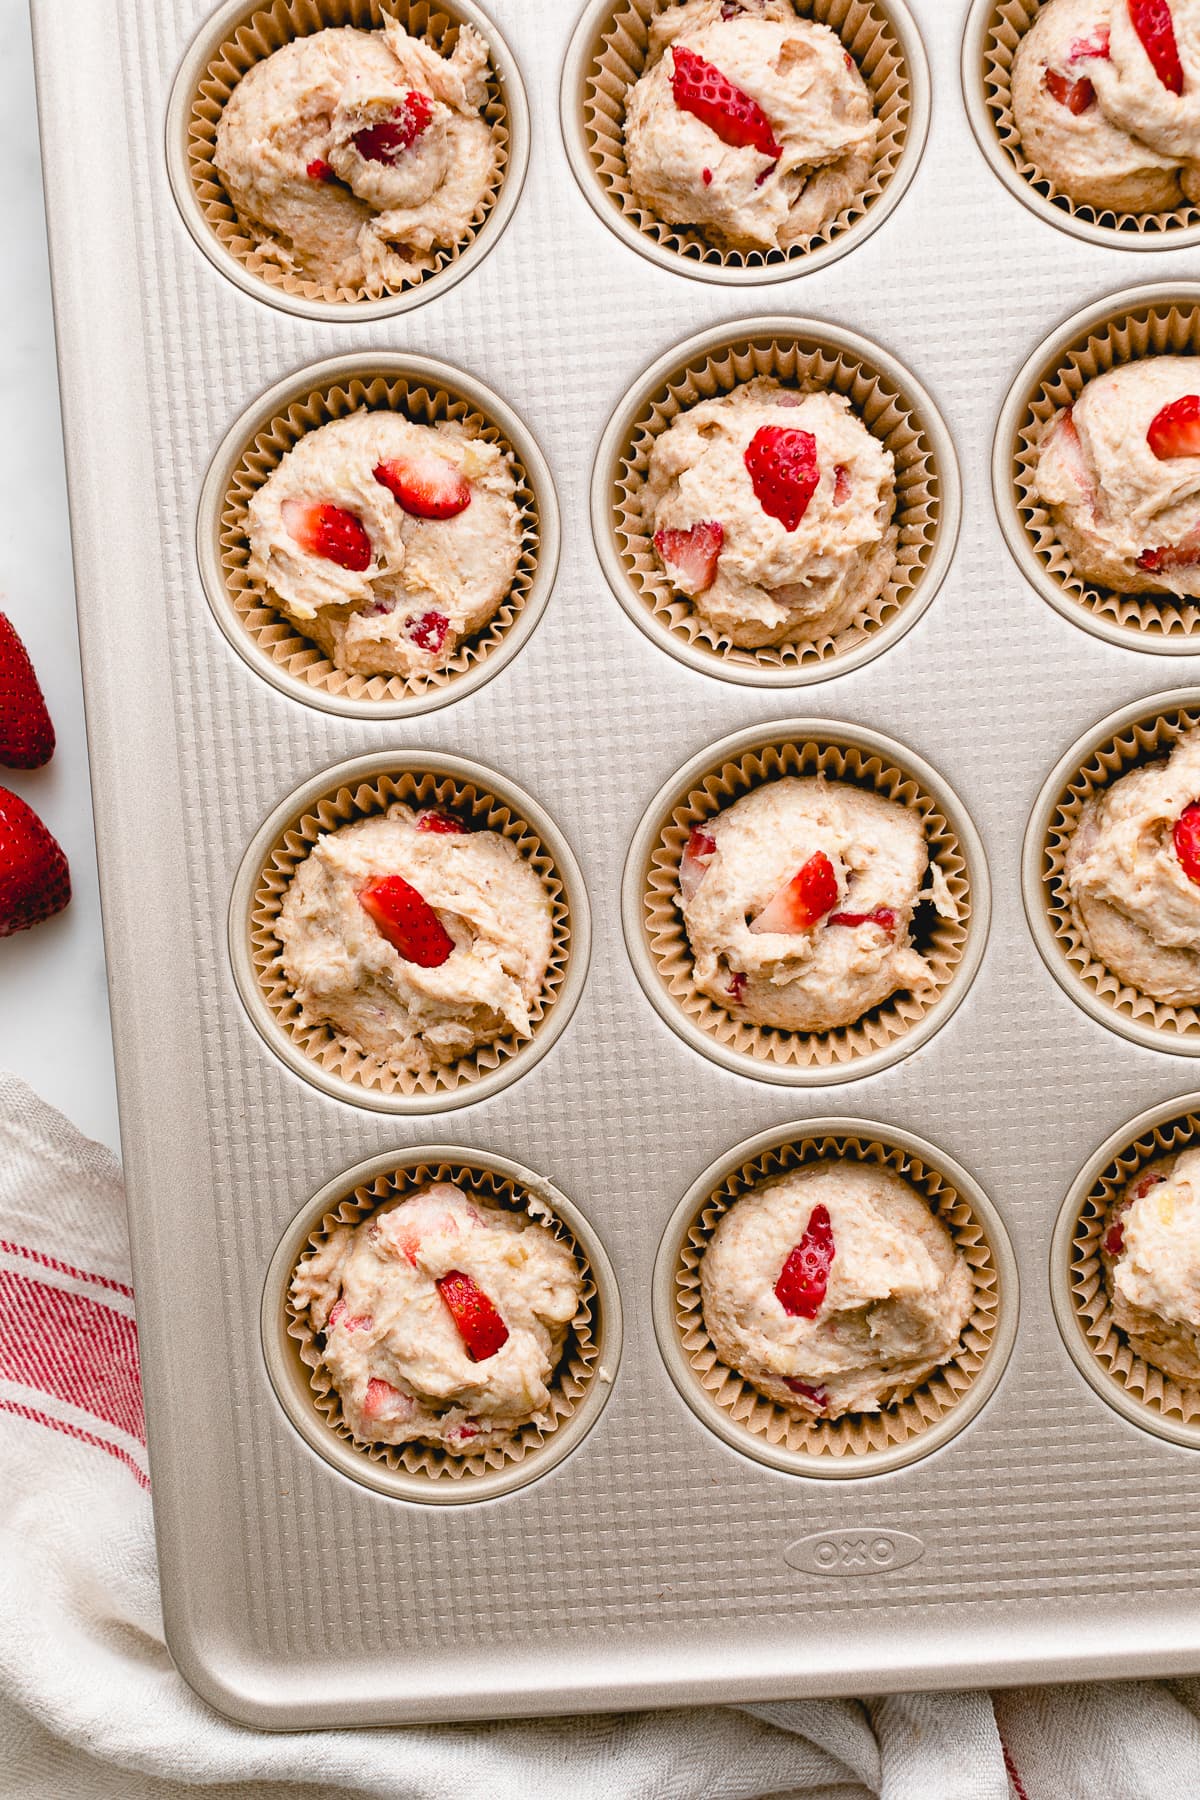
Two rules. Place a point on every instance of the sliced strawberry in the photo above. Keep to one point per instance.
(383, 1401)
(1152, 21)
(480, 1326)
(1175, 431)
(1114, 1239)
(442, 822)
(425, 485)
(841, 485)
(319, 170)
(35, 881)
(883, 916)
(1145, 1184)
(817, 1395)
(692, 555)
(356, 1322)
(26, 734)
(1076, 95)
(737, 987)
(1186, 838)
(329, 531)
(784, 472)
(429, 631)
(711, 97)
(800, 1289)
(406, 919)
(701, 848)
(803, 901)
(387, 140)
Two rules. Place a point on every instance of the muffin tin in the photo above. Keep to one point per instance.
(648, 1551)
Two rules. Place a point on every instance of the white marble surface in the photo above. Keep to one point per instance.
(54, 1027)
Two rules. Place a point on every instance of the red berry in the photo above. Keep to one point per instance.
(480, 1326)
(35, 881)
(425, 485)
(358, 1322)
(382, 1400)
(737, 987)
(1097, 46)
(692, 555)
(1114, 1239)
(429, 631)
(883, 916)
(329, 531)
(26, 734)
(1175, 431)
(706, 177)
(817, 1395)
(1076, 95)
(702, 90)
(1186, 837)
(387, 140)
(701, 848)
(1153, 23)
(1145, 1184)
(784, 473)
(442, 822)
(319, 170)
(800, 1289)
(803, 901)
(406, 919)
(841, 485)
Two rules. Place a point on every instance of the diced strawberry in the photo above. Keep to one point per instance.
(784, 472)
(442, 822)
(406, 919)
(1155, 27)
(706, 177)
(356, 1322)
(702, 90)
(693, 554)
(480, 1326)
(701, 848)
(1076, 95)
(425, 485)
(817, 1395)
(383, 1401)
(429, 631)
(804, 1277)
(1114, 1239)
(26, 734)
(319, 170)
(1175, 431)
(841, 485)
(803, 901)
(737, 987)
(462, 1434)
(35, 881)
(1186, 838)
(1183, 555)
(329, 531)
(1097, 46)
(1145, 1184)
(385, 141)
(883, 916)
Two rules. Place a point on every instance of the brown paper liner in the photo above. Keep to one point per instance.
(336, 1054)
(910, 1410)
(882, 408)
(1007, 25)
(668, 940)
(1148, 741)
(1157, 1391)
(1161, 329)
(576, 1370)
(280, 637)
(264, 30)
(619, 57)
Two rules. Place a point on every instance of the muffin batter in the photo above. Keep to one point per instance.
(834, 1289)
(798, 901)
(1151, 1256)
(387, 542)
(352, 156)
(749, 123)
(416, 938)
(771, 511)
(444, 1318)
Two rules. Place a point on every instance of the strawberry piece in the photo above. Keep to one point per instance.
(803, 901)
(355, 1322)
(319, 170)
(1175, 431)
(406, 919)
(693, 554)
(383, 1401)
(1075, 95)
(441, 822)
(1152, 21)
(1183, 555)
(818, 1396)
(26, 734)
(711, 97)
(1098, 46)
(737, 987)
(35, 882)
(1114, 1239)
(883, 916)
(800, 1289)
(425, 485)
(783, 471)
(706, 177)
(841, 485)
(329, 531)
(429, 631)
(1186, 838)
(701, 848)
(1145, 1184)
(386, 141)
(480, 1326)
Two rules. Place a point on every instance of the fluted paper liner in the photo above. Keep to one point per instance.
(281, 638)
(345, 805)
(671, 952)
(1149, 740)
(910, 1410)
(618, 58)
(1006, 26)
(571, 1381)
(1158, 329)
(883, 409)
(261, 32)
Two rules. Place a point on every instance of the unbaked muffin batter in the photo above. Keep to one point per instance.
(1151, 1255)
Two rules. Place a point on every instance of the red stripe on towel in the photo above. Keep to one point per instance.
(73, 1347)
(76, 1431)
(62, 1268)
(1010, 1765)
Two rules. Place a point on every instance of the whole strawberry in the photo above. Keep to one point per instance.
(35, 882)
(26, 734)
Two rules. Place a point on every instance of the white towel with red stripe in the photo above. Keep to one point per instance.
(92, 1709)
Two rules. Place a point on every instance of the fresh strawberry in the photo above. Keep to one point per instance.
(480, 1326)
(1183, 555)
(35, 881)
(692, 555)
(706, 177)
(841, 485)
(355, 1322)
(737, 120)
(783, 471)
(1152, 21)
(425, 485)
(1145, 1184)
(817, 1395)
(407, 921)
(737, 987)
(429, 631)
(883, 916)
(803, 901)
(701, 848)
(445, 823)
(1186, 838)
(26, 734)
(319, 170)
(1076, 95)
(387, 140)
(329, 531)
(800, 1289)
(383, 1401)
(1114, 1239)
(1175, 431)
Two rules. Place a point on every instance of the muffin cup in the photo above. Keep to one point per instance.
(1158, 320)
(607, 54)
(241, 34)
(361, 789)
(917, 1422)
(658, 944)
(993, 32)
(801, 353)
(424, 1472)
(1100, 1351)
(274, 645)
(1145, 732)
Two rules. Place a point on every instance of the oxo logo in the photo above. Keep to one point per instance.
(868, 1552)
